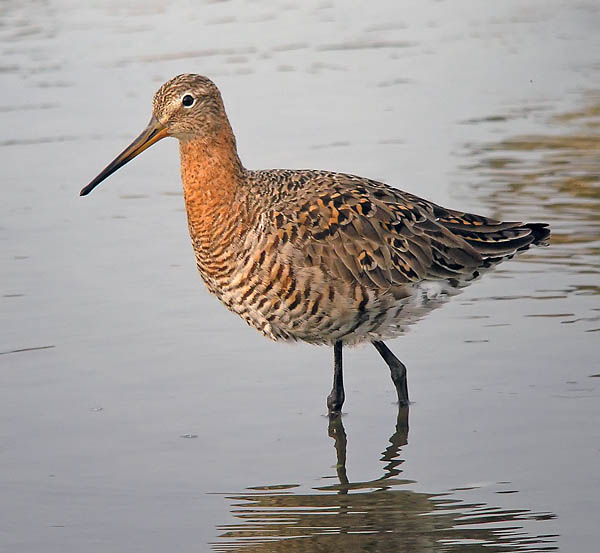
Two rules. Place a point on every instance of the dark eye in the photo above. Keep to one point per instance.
(188, 100)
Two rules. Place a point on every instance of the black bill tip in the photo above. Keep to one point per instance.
(154, 132)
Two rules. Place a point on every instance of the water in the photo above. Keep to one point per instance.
(113, 353)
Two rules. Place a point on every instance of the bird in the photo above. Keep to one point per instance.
(310, 255)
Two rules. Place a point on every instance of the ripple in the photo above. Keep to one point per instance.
(366, 45)
(290, 47)
(393, 82)
(189, 54)
(385, 27)
(334, 144)
(557, 177)
(23, 350)
(28, 107)
(43, 140)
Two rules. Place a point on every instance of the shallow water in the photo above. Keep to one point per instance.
(137, 414)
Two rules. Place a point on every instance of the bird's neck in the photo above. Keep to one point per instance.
(214, 192)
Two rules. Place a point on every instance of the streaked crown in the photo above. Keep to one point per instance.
(189, 106)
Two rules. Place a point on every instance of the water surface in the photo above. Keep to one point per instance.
(137, 414)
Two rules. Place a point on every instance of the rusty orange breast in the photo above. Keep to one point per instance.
(215, 200)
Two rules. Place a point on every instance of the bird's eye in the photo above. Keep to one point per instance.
(188, 101)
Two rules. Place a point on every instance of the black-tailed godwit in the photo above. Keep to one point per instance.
(322, 257)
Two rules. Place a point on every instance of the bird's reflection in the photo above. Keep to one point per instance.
(376, 515)
(399, 438)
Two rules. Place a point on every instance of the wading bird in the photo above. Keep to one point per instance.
(322, 257)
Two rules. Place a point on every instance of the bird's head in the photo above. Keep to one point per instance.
(187, 107)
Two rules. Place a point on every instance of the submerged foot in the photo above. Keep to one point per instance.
(334, 403)
(402, 391)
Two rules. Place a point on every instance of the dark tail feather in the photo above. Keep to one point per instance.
(540, 232)
(493, 239)
(505, 242)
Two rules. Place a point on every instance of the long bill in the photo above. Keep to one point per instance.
(154, 132)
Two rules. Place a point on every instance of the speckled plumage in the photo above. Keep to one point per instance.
(326, 256)
(317, 256)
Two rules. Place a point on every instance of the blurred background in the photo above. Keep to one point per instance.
(137, 414)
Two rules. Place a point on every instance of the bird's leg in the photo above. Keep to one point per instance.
(397, 370)
(335, 399)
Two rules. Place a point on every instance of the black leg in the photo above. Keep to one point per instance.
(335, 399)
(397, 370)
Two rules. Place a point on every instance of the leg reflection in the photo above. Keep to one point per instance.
(398, 439)
(337, 431)
(391, 469)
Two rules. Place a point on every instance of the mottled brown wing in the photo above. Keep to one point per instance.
(365, 231)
